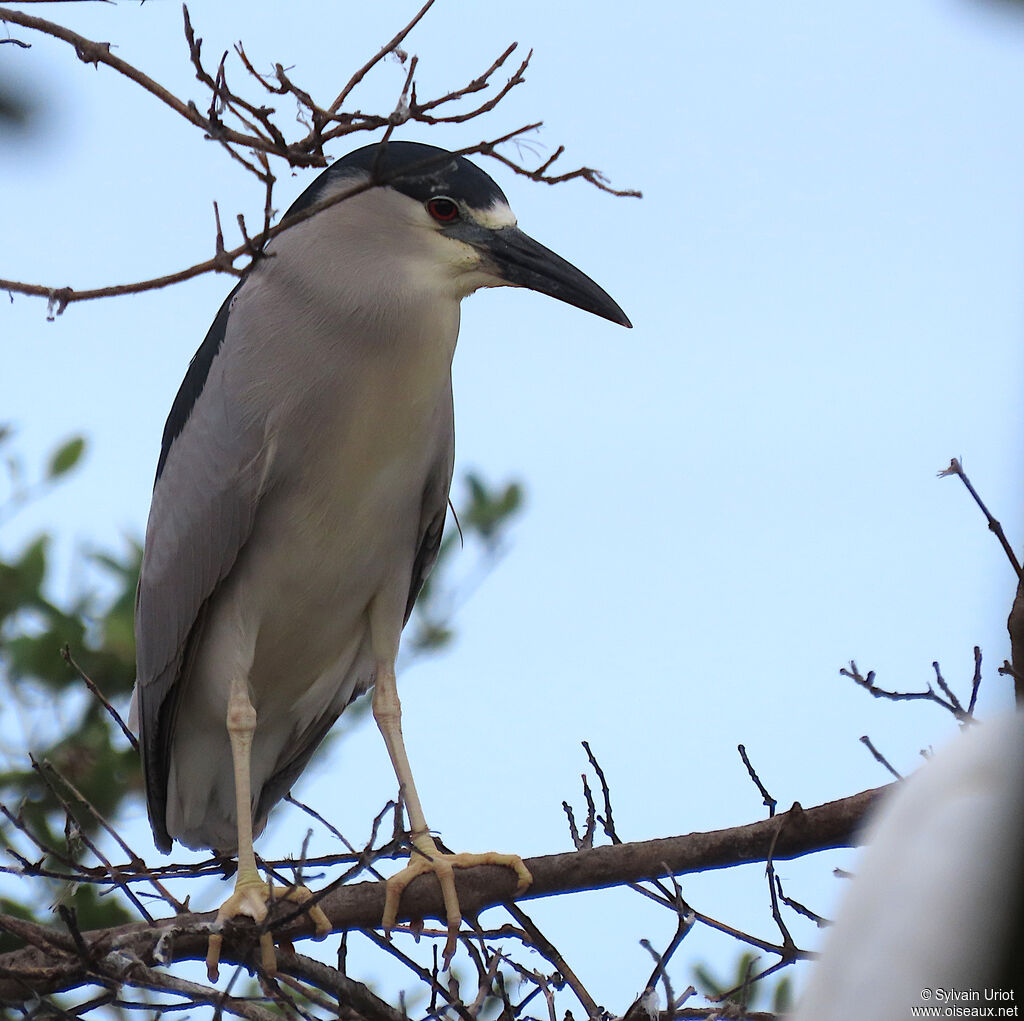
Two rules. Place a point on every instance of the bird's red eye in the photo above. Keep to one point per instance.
(443, 210)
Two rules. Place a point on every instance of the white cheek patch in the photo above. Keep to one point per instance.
(495, 216)
(460, 255)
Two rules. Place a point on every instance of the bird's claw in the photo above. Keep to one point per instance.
(301, 895)
(250, 898)
(427, 858)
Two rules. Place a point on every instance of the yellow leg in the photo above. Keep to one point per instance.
(387, 711)
(251, 893)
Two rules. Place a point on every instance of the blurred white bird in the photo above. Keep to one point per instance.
(932, 923)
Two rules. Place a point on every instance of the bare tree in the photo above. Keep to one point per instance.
(247, 131)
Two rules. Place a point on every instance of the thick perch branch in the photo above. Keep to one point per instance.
(52, 961)
(1015, 625)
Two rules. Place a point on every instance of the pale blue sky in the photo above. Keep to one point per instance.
(725, 504)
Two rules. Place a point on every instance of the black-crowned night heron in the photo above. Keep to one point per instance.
(300, 497)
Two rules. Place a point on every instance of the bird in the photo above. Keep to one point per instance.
(933, 919)
(301, 492)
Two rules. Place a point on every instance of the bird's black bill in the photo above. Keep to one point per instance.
(524, 263)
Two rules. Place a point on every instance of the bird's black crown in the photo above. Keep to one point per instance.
(413, 168)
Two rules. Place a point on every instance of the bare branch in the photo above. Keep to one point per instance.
(389, 47)
(589, 174)
(955, 468)
(261, 138)
(360, 906)
(99, 696)
(50, 775)
(769, 802)
(138, 974)
(608, 820)
(1015, 627)
(91, 52)
(928, 695)
(418, 111)
(431, 981)
(548, 951)
(879, 757)
(223, 261)
(975, 681)
(799, 908)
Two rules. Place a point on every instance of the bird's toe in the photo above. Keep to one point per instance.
(427, 858)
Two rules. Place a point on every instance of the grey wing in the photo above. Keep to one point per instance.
(204, 504)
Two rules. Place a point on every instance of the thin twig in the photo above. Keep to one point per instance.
(769, 802)
(99, 696)
(879, 757)
(953, 700)
(800, 909)
(975, 681)
(43, 769)
(608, 821)
(955, 468)
(928, 695)
(387, 48)
(548, 950)
(421, 973)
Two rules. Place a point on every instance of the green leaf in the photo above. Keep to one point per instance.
(20, 582)
(782, 1000)
(432, 635)
(10, 907)
(65, 457)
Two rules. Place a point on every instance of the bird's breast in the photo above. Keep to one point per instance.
(361, 423)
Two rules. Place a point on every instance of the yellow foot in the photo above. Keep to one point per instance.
(427, 858)
(251, 897)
